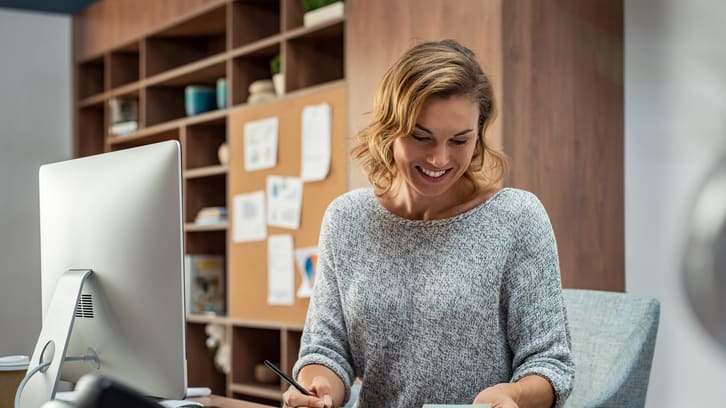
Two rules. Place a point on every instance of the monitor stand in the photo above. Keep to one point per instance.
(53, 340)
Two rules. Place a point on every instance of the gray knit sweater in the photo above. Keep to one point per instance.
(436, 311)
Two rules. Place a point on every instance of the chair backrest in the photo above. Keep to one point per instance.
(613, 339)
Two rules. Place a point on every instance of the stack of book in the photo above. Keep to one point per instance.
(124, 115)
(211, 215)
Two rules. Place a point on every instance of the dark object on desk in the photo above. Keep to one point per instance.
(284, 376)
(101, 392)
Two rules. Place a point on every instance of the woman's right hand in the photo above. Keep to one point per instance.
(322, 397)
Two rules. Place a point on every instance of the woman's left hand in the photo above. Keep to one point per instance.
(500, 396)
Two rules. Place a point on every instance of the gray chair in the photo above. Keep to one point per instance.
(613, 339)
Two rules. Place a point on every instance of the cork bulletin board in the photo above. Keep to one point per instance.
(247, 268)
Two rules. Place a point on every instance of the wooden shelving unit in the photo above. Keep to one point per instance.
(232, 39)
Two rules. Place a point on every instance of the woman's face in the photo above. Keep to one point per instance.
(434, 157)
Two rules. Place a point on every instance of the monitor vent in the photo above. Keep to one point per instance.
(85, 307)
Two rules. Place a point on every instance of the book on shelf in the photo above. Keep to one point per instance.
(205, 284)
(211, 215)
(124, 128)
(124, 115)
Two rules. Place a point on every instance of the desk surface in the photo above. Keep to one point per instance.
(223, 402)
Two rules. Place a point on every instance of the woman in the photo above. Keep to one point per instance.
(436, 286)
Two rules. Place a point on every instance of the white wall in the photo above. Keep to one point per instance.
(675, 130)
(35, 128)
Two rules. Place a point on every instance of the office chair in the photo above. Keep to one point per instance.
(613, 339)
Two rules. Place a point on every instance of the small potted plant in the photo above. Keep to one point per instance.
(319, 11)
(278, 78)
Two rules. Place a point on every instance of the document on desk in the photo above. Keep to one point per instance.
(457, 405)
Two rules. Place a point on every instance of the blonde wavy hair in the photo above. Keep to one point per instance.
(441, 69)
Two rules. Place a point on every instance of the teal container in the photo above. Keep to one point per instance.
(199, 99)
(222, 93)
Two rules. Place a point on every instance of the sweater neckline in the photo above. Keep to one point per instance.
(387, 214)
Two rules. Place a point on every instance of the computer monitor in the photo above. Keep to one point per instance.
(118, 215)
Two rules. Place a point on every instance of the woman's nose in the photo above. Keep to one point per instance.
(438, 156)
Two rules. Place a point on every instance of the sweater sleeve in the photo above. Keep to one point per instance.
(537, 329)
(324, 339)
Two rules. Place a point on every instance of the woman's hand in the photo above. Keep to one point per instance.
(321, 398)
(530, 391)
(500, 396)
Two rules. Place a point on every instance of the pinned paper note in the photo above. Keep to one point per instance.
(280, 270)
(307, 264)
(249, 217)
(315, 161)
(260, 144)
(284, 201)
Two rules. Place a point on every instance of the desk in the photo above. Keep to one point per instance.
(223, 402)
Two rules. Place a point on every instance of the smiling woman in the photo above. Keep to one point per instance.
(437, 285)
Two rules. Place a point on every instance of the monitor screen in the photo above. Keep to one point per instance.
(119, 214)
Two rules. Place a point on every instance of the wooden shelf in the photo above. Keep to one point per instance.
(235, 40)
(205, 319)
(191, 227)
(203, 71)
(93, 100)
(205, 171)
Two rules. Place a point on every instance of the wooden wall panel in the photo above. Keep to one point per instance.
(110, 23)
(557, 67)
(378, 31)
(563, 127)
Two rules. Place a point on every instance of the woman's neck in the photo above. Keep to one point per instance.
(405, 203)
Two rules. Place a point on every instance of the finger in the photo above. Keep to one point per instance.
(293, 398)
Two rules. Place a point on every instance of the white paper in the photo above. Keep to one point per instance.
(307, 264)
(280, 270)
(315, 161)
(260, 144)
(284, 201)
(249, 217)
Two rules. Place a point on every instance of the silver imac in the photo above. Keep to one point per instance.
(111, 241)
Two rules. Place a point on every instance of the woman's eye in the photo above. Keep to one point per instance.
(458, 142)
(419, 138)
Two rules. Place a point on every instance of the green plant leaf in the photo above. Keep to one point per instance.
(275, 64)
(309, 5)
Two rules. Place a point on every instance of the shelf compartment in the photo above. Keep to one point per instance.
(200, 361)
(212, 241)
(91, 78)
(252, 346)
(250, 67)
(314, 56)
(132, 94)
(124, 65)
(205, 192)
(254, 20)
(195, 39)
(165, 100)
(91, 130)
(202, 144)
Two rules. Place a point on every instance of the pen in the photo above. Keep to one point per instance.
(284, 376)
